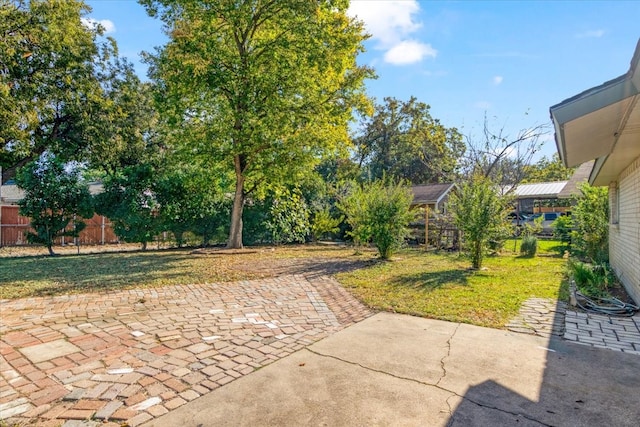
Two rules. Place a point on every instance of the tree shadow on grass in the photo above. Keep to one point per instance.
(432, 280)
(49, 276)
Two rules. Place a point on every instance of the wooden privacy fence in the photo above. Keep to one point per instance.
(13, 228)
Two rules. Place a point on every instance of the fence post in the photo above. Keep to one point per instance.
(426, 227)
(102, 230)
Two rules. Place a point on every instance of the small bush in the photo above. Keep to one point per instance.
(562, 228)
(592, 280)
(379, 212)
(590, 238)
(529, 246)
(323, 224)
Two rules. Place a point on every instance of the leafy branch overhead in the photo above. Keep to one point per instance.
(61, 86)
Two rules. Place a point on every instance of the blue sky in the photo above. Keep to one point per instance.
(511, 60)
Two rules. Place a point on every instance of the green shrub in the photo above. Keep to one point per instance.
(591, 219)
(323, 223)
(380, 212)
(562, 229)
(592, 280)
(479, 211)
(529, 246)
(530, 228)
(288, 219)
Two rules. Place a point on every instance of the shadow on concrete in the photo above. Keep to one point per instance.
(571, 391)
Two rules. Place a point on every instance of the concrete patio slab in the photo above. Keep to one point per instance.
(400, 370)
(309, 389)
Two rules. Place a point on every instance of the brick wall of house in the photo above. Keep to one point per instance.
(624, 237)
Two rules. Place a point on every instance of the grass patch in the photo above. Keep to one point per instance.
(441, 286)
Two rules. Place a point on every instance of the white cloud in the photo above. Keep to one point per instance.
(109, 26)
(408, 52)
(390, 23)
(497, 80)
(590, 34)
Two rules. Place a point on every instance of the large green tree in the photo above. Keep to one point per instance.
(53, 68)
(403, 141)
(128, 124)
(270, 85)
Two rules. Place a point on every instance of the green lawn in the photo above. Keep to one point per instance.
(441, 286)
(415, 282)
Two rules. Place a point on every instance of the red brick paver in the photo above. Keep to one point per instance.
(141, 353)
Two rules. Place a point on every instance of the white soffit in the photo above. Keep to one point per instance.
(601, 123)
(594, 134)
(627, 148)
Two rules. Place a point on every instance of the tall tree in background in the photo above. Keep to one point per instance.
(128, 129)
(52, 70)
(548, 170)
(271, 85)
(401, 140)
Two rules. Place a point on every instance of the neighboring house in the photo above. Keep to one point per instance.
(603, 124)
(433, 196)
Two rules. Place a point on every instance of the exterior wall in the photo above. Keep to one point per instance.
(624, 237)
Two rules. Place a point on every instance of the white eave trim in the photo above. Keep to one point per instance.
(594, 99)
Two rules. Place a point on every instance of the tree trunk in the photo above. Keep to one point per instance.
(50, 248)
(235, 233)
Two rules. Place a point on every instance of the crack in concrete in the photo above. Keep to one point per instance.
(442, 364)
(436, 385)
(376, 370)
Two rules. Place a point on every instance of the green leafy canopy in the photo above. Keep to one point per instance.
(265, 87)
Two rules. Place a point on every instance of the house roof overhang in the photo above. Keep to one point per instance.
(430, 194)
(601, 124)
(539, 190)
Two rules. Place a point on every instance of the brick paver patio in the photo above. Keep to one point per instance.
(129, 356)
(547, 317)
